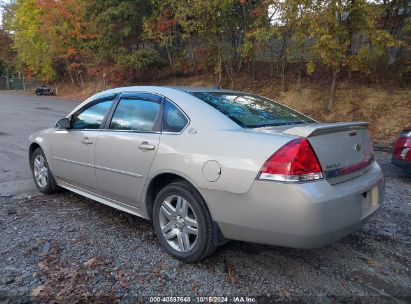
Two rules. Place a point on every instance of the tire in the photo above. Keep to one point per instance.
(196, 247)
(44, 182)
(38, 93)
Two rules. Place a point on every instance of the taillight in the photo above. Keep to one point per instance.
(294, 162)
(405, 133)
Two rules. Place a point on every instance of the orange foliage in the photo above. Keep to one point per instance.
(65, 29)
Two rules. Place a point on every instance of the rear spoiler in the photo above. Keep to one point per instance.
(318, 129)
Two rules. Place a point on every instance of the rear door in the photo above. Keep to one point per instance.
(126, 147)
(73, 149)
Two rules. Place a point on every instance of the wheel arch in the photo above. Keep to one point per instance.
(158, 182)
(161, 180)
(33, 146)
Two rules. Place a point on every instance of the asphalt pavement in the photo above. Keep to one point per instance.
(62, 247)
(21, 115)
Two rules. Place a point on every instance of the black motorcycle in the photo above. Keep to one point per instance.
(44, 90)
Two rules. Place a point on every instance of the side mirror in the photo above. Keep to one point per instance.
(63, 123)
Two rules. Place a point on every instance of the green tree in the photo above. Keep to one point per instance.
(64, 28)
(332, 25)
(22, 18)
(7, 55)
(161, 28)
(120, 27)
(279, 21)
(206, 20)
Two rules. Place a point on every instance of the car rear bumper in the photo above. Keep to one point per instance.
(403, 164)
(305, 215)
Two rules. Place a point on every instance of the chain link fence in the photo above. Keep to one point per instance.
(18, 83)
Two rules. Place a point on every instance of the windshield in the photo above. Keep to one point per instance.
(251, 111)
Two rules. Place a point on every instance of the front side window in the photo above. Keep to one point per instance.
(173, 120)
(92, 116)
(135, 114)
(251, 111)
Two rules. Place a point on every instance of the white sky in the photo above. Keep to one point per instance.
(2, 2)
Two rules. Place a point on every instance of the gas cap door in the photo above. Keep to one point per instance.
(211, 170)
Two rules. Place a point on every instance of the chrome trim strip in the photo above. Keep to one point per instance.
(291, 178)
(340, 171)
(73, 162)
(118, 171)
(99, 167)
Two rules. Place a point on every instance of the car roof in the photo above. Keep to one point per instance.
(195, 89)
(198, 111)
(163, 89)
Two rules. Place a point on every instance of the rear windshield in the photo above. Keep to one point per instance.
(251, 111)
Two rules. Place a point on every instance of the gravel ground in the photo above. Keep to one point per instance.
(66, 248)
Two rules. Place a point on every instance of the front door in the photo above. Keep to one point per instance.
(73, 149)
(126, 148)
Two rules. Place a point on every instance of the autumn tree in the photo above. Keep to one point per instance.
(120, 28)
(23, 19)
(54, 38)
(332, 25)
(206, 20)
(63, 26)
(161, 28)
(7, 55)
(48, 35)
(278, 21)
(219, 24)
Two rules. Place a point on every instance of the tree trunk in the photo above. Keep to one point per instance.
(81, 79)
(170, 60)
(253, 63)
(219, 69)
(71, 77)
(283, 85)
(7, 79)
(333, 89)
(271, 64)
(230, 73)
(299, 77)
(350, 84)
(78, 80)
(193, 57)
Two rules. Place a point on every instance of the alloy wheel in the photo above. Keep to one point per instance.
(41, 173)
(178, 223)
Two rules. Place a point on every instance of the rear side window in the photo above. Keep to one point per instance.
(173, 119)
(135, 114)
(92, 116)
(251, 111)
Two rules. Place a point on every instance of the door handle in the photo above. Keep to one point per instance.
(86, 141)
(146, 146)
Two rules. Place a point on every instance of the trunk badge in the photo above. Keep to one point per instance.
(357, 147)
(192, 131)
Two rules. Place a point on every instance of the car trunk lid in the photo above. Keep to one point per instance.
(344, 150)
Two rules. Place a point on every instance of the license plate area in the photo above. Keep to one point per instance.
(370, 201)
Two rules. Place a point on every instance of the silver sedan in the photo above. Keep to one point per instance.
(210, 165)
